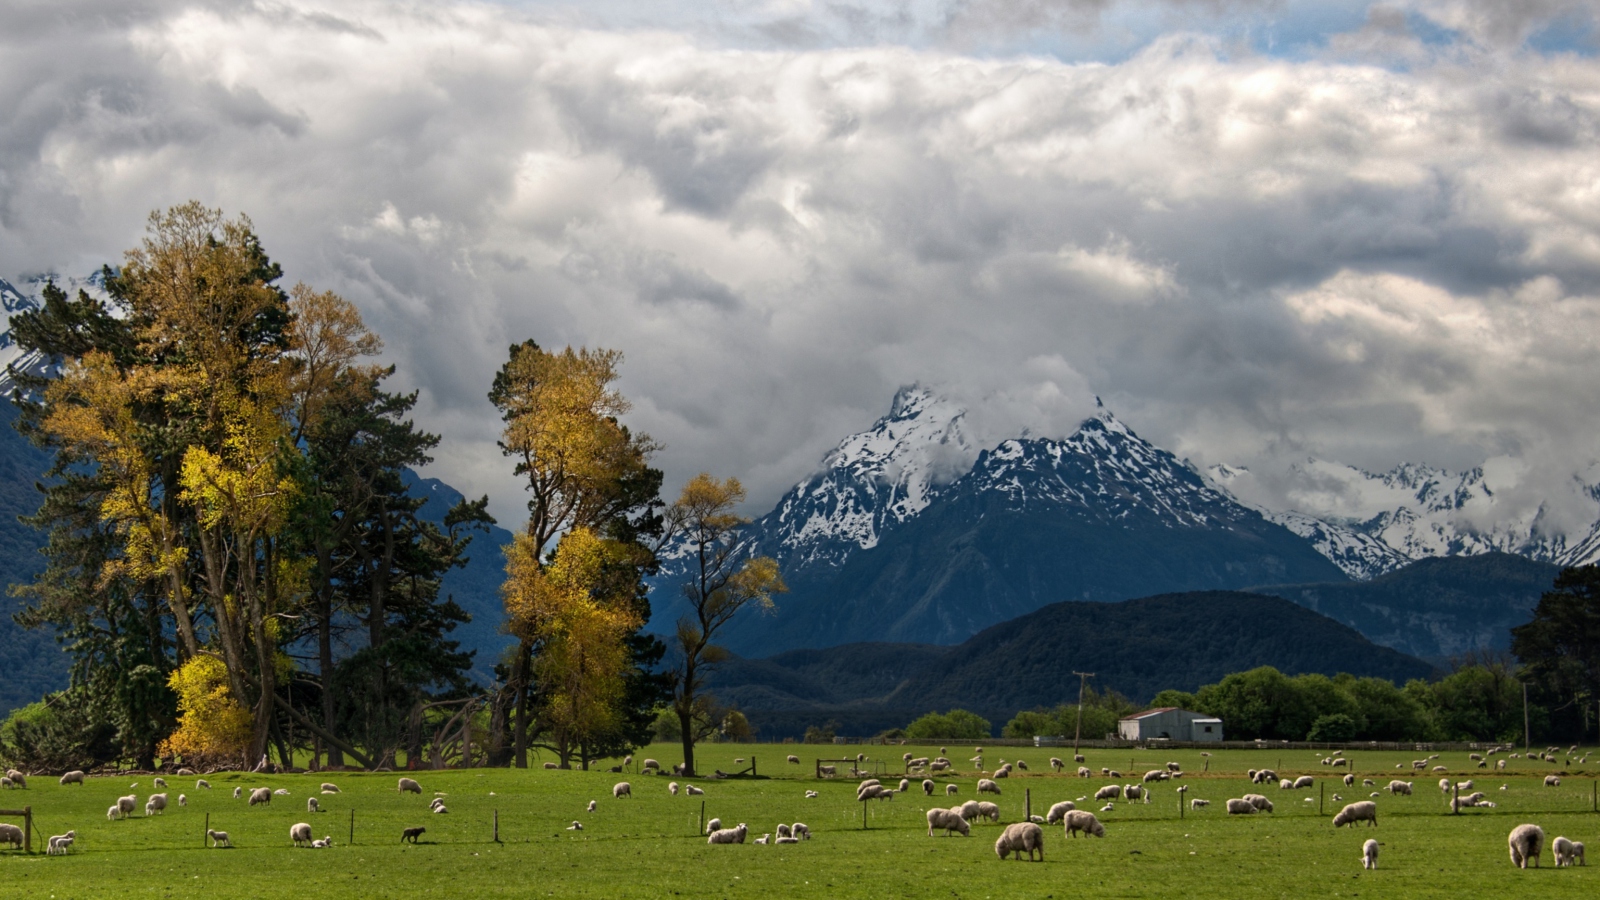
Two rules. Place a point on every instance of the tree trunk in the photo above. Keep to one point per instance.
(524, 695)
(686, 722)
(325, 660)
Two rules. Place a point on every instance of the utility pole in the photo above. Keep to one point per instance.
(1083, 678)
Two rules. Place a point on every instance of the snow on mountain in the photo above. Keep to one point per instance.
(871, 482)
(14, 300)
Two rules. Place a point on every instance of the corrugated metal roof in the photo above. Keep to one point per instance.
(1148, 712)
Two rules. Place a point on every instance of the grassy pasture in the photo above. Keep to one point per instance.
(647, 846)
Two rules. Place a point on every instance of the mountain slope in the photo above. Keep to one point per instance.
(32, 661)
(1137, 647)
(1434, 608)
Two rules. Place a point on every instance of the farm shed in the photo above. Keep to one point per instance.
(1169, 723)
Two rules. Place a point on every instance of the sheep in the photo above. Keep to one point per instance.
(218, 838)
(948, 819)
(17, 778)
(764, 838)
(411, 834)
(1019, 837)
(811, 795)
(920, 762)
(1056, 765)
(113, 813)
(693, 791)
(780, 839)
(1464, 785)
(1078, 757)
(1474, 756)
(1552, 781)
(990, 811)
(1304, 781)
(441, 810)
(1112, 772)
(1109, 792)
(969, 810)
(326, 842)
(1369, 854)
(784, 830)
(1135, 792)
(1083, 772)
(238, 792)
(1002, 772)
(1155, 775)
(300, 834)
(408, 785)
(987, 786)
(1078, 820)
(939, 765)
(1499, 764)
(161, 782)
(1059, 811)
(259, 796)
(1349, 779)
(59, 844)
(827, 771)
(649, 764)
(1108, 807)
(1197, 803)
(1174, 767)
(1285, 784)
(1441, 768)
(11, 834)
(328, 787)
(76, 777)
(1364, 810)
(623, 789)
(794, 760)
(551, 765)
(950, 790)
(1259, 802)
(1340, 762)
(1240, 807)
(905, 785)
(1561, 849)
(126, 805)
(281, 792)
(1526, 842)
(1577, 853)
(1400, 787)
(183, 800)
(928, 786)
(728, 835)
(1366, 781)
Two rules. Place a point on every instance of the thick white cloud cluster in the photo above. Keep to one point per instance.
(1251, 258)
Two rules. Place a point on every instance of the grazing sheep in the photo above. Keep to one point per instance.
(1155, 775)
(1349, 779)
(1078, 758)
(827, 771)
(1552, 781)
(905, 785)
(592, 805)
(1526, 842)
(801, 831)
(1577, 853)
(183, 800)
(312, 806)
(928, 786)
(990, 811)
(1109, 792)
(1561, 849)
(1056, 764)
(1441, 768)
(969, 810)
(218, 838)
(76, 776)
(259, 796)
(1367, 781)
(1305, 781)
(950, 790)
(1259, 802)
(161, 782)
(1400, 787)
(300, 834)
(411, 834)
(1369, 854)
(1112, 772)
(1363, 810)
(1241, 807)
(1135, 792)
(126, 805)
(1078, 820)
(728, 835)
(1174, 767)
(649, 764)
(986, 786)
(408, 785)
(920, 762)
(623, 789)
(1285, 784)
(238, 792)
(1340, 762)
(693, 791)
(1083, 772)
(11, 834)
(551, 765)
(794, 760)
(1197, 803)
(784, 830)
(811, 795)
(949, 820)
(1059, 811)
(1019, 837)
(17, 778)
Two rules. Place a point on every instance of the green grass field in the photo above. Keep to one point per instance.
(647, 846)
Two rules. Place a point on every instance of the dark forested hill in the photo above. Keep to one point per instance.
(32, 661)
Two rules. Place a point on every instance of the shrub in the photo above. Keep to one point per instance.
(823, 734)
(1332, 728)
(957, 724)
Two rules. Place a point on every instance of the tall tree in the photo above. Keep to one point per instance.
(1560, 646)
(721, 583)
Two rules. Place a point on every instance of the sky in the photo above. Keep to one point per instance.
(1260, 231)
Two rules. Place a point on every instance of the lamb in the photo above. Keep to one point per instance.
(126, 805)
(1369, 854)
(939, 765)
(1241, 807)
(1197, 803)
(259, 796)
(811, 795)
(300, 834)
(58, 845)
(1577, 853)
(575, 826)
(1059, 811)
(312, 806)
(183, 800)
(1464, 785)
(1056, 764)
(780, 839)
(928, 786)
(1259, 802)
(784, 830)
(238, 792)
(202, 785)
(693, 791)
(1078, 820)
(11, 834)
(986, 786)
(161, 782)
(920, 762)
(623, 789)
(17, 778)
(410, 786)
(950, 790)
(411, 834)
(1364, 810)
(76, 776)
(948, 819)
(1019, 837)
(218, 838)
(327, 841)
(113, 813)
(990, 811)
(1526, 842)
(801, 831)
(1366, 781)
(728, 835)
(328, 787)
(1561, 849)
(1109, 792)
(441, 809)
(1552, 781)
(794, 760)
(714, 825)
(764, 838)
(1400, 787)
(1305, 781)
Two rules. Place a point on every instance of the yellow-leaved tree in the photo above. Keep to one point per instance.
(213, 726)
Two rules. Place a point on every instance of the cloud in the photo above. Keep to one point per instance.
(1252, 259)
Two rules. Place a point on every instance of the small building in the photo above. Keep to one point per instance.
(1169, 723)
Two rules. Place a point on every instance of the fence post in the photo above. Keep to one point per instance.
(352, 826)
(702, 829)
(27, 826)
(497, 826)
(1028, 794)
(863, 814)
(205, 837)
(1455, 804)
(1322, 798)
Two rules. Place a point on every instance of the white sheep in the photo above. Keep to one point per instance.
(801, 831)
(202, 785)
(218, 838)
(238, 792)
(693, 791)
(950, 790)
(575, 826)
(1197, 803)
(990, 811)
(327, 841)
(1400, 787)
(183, 800)
(1526, 842)
(794, 760)
(328, 787)
(156, 803)
(300, 834)
(1135, 792)
(259, 796)
(161, 782)
(551, 765)
(113, 813)
(1340, 762)
(623, 789)
(126, 805)
(1241, 807)
(312, 806)
(763, 839)
(18, 779)
(1552, 781)
(950, 820)
(928, 786)
(1262, 804)
(1058, 812)
(714, 825)
(1305, 781)
(76, 776)
(1369, 854)
(780, 839)
(1363, 810)
(1083, 772)
(1349, 779)
(1285, 784)
(58, 845)
(1464, 785)
(592, 805)
(408, 786)
(987, 786)
(649, 764)
(1561, 849)
(281, 792)
(728, 835)
(827, 771)
(784, 830)
(1079, 820)
(1109, 792)
(1155, 775)
(905, 785)
(1019, 837)
(11, 834)
(1056, 764)
(811, 795)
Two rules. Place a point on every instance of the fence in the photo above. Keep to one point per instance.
(26, 815)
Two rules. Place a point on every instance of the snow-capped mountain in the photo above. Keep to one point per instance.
(1372, 523)
(14, 300)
